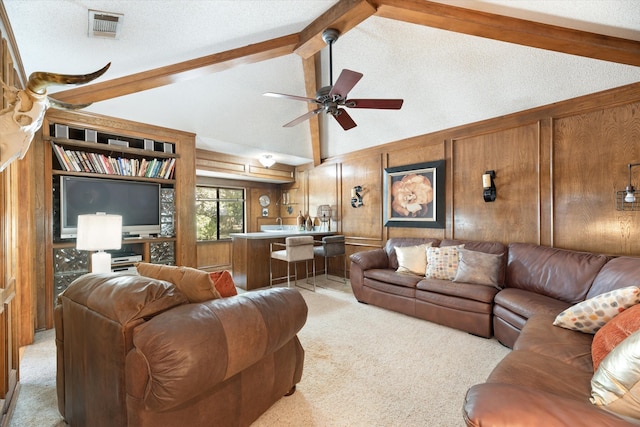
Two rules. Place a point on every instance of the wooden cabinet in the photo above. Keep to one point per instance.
(80, 144)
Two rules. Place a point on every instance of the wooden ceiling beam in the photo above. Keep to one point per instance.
(344, 16)
(310, 67)
(512, 30)
(181, 71)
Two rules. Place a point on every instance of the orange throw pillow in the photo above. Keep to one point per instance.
(223, 282)
(613, 333)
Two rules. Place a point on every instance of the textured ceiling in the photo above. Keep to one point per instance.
(446, 79)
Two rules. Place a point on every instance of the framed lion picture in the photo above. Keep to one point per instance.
(414, 195)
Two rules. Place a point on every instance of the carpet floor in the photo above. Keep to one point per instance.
(364, 366)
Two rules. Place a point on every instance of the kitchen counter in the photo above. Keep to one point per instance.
(251, 254)
(277, 233)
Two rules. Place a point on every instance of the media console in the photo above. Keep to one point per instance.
(80, 152)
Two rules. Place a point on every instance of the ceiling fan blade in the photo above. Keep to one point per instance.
(383, 104)
(303, 117)
(294, 97)
(346, 81)
(344, 119)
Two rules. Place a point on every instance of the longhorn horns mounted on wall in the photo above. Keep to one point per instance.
(22, 118)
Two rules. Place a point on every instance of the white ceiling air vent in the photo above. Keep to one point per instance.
(105, 24)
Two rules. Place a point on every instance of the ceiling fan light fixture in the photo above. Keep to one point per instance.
(266, 160)
(330, 98)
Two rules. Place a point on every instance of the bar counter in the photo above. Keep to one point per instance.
(251, 254)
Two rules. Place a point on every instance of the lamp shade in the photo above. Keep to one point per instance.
(99, 232)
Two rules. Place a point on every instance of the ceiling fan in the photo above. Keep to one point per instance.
(331, 99)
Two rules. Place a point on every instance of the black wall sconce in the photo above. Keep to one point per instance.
(489, 192)
(356, 197)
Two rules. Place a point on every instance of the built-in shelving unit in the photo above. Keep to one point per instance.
(87, 145)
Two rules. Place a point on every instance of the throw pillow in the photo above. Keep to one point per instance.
(478, 267)
(442, 263)
(195, 284)
(412, 259)
(613, 333)
(223, 282)
(615, 386)
(590, 315)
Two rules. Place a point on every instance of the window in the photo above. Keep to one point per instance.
(219, 212)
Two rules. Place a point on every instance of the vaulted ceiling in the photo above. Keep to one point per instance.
(203, 66)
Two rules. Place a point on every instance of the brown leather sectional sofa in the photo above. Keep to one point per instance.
(546, 379)
(131, 351)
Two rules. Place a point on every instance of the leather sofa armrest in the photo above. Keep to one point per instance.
(362, 261)
(494, 404)
(375, 258)
(185, 351)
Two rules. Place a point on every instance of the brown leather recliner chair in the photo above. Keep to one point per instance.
(131, 351)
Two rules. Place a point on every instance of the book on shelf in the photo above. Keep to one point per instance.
(90, 162)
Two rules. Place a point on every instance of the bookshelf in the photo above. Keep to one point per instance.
(86, 144)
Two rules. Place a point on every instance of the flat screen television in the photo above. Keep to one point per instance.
(138, 203)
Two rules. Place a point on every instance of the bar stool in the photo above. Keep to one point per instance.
(297, 248)
(332, 246)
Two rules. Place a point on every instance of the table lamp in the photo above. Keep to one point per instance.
(98, 232)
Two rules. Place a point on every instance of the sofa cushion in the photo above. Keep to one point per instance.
(557, 273)
(592, 314)
(542, 372)
(539, 335)
(195, 284)
(412, 259)
(614, 332)
(478, 268)
(123, 298)
(526, 304)
(484, 294)
(442, 263)
(618, 273)
(616, 383)
(386, 275)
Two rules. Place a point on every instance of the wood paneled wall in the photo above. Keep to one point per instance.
(18, 247)
(557, 170)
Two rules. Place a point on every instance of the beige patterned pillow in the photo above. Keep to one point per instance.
(442, 263)
(478, 267)
(590, 315)
(412, 259)
(615, 386)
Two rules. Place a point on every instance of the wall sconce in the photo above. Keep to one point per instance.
(356, 197)
(98, 232)
(267, 160)
(627, 200)
(489, 192)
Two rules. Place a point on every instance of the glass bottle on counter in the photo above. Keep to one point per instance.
(309, 223)
(301, 222)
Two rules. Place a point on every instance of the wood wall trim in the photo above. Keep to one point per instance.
(243, 167)
(13, 46)
(108, 124)
(512, 30)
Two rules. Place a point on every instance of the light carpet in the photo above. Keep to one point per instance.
(364, 366)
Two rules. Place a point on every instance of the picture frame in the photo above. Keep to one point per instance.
(414, 195)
